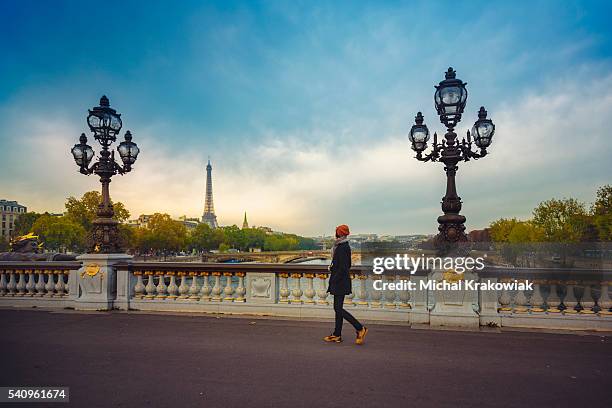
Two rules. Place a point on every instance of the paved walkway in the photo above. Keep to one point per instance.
(133, 359)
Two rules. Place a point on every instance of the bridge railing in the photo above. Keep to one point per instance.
(40, 284)
(559, 298)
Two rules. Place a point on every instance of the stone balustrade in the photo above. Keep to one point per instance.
(571, 299)
(37, 283)
(558, 299)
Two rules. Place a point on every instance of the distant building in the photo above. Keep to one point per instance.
(245, 223)
(142, 221)
(190, 223)
(267, 230)
(482, 235)
(10, 211)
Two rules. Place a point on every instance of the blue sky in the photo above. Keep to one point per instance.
(304, 106)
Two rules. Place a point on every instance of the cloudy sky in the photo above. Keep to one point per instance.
(304, 107)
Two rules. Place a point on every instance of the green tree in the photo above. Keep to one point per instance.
(24, 223)
(4, 245)
(561, 220)
(59, 233)
(83, 210)
(162, 234)
(500, 230)
(204, 238)
(601, 211)
(525, 232)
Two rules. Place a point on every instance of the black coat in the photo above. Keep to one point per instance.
(340, 279)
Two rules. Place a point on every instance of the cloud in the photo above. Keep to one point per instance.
(551, 142)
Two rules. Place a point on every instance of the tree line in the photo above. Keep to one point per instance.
(564, 220)
(160, 235)
(558, 229)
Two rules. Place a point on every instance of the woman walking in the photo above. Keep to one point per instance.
(340, 285)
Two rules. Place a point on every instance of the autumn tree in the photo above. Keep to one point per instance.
(24, 223)
(601, 211)
(59, 233)
(162, 234)
(561, 220)
(84, 210)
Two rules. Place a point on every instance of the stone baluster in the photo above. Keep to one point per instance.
(216, 290)
(521, 301)
(31, 285)
(161, 289)
(505, 299)
(348, 299)
(240, 290)
(67, 282)
(297, 288)
(404, 294)
(3, 283)
(605, 300)
(375, 295)
(172, 286)
(309, 292)
(284, 288)
(537, 300)
(554, 298)
(322, 290)
(40, 283)
(570, 300)
(21, 284)
(139, 288)
(587, 301)
(363, 292)
(150, 288)
(60, 285)
(390, 294)
(50, 286)
(205, 289)
(229, 289)
(11, 286)
(183, 288)
(194, 289)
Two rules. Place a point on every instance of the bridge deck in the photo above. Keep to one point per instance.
(136, 359)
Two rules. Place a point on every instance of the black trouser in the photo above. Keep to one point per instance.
(343, 314)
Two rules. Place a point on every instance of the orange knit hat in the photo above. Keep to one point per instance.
(342, 230)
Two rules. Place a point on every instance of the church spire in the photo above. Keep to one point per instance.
(245, 223)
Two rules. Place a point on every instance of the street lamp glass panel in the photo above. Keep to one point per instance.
(115, 123)
(450, 95)
(483, 132)
(89, 154)
(82, 154)
(419, 135)
(77, 153)
(93, 121)
(128, 150)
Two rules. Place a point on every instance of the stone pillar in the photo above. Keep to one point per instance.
(97, 281)
(128, 285)
(454, 307)
(420, 311)
(489, 305)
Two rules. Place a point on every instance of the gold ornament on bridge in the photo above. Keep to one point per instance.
(91, 270)
(452, 277)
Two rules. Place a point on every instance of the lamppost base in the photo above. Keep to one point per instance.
(104, 237)
(451, 239)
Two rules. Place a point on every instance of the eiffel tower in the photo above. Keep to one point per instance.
(209, 216)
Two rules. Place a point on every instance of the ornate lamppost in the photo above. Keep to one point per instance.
(105, 123)
(450, 98)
